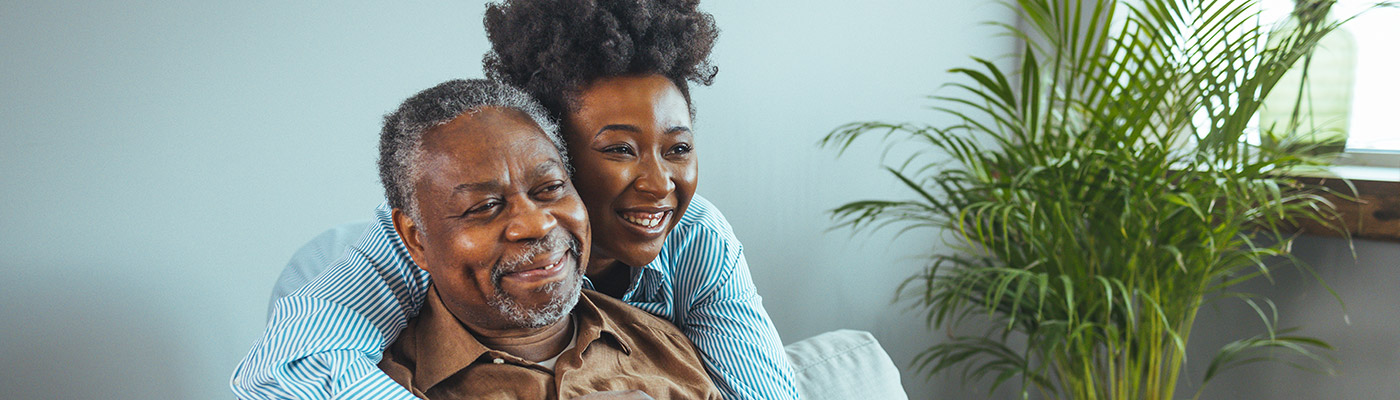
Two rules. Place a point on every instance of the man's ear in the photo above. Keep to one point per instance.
(412, 236)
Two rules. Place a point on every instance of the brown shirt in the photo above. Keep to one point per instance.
(617, 347)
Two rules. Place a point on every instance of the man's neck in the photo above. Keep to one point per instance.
(534, 345)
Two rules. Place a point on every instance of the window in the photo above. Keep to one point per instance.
(1376, 95)
(1372, 159)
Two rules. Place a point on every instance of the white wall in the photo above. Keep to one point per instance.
(159, 161)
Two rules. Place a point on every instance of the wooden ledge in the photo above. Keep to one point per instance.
(1374, 214)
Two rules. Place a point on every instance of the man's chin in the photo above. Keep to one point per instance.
(548, 303)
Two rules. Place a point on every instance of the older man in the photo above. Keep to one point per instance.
(480, 188)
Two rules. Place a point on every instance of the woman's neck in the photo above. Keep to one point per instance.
(609, 276)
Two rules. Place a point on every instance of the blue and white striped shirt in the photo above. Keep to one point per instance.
(324, 340)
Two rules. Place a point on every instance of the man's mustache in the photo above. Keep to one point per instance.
(550, 243)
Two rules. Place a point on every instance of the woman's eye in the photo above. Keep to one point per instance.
(682, 148)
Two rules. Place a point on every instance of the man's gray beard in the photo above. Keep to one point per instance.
(557, 308)
(559, 305)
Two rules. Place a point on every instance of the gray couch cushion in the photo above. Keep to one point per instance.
(844, 364)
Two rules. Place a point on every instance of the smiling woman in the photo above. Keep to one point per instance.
(633, 148)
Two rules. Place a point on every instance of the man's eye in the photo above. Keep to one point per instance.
(619, 149)
(550, 191)
(482, 208)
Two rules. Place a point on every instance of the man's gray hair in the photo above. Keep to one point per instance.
(401, 141)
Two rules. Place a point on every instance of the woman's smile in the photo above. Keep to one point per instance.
(647, 221)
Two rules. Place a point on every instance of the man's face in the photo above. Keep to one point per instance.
(502, 230)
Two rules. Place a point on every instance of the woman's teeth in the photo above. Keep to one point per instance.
(648, 220)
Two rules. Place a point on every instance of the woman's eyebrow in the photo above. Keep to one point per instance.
(618, 127)
(674, 130)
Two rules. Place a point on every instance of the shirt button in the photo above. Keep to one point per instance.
(498, 361)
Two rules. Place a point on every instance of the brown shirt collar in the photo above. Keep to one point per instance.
(444, 346)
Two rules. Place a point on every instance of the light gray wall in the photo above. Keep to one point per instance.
(160, 161)
(1365, 333)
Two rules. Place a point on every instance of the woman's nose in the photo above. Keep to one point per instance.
(654, 179)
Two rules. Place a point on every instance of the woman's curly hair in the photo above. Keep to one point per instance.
(554, 48)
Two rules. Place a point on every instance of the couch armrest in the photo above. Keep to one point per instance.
(844, 364)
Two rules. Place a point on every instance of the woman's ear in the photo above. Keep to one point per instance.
(412, 237)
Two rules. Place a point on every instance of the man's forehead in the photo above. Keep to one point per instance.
(479, 149)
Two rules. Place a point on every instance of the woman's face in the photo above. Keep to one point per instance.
(635, 165)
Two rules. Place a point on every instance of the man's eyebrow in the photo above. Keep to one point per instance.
(495, 185)
(484, 186)
(546, 167)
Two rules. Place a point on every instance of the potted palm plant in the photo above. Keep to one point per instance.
(1100, 194)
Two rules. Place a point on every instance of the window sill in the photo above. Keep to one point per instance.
(1374, 214)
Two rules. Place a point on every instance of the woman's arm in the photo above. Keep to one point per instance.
(738, 341)
(719, 310)
(325, 339)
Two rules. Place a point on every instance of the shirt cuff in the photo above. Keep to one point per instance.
(372, 384)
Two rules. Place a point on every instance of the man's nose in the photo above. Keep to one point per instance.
(654, 178)
(528, 221)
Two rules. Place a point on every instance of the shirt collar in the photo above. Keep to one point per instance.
(444, 347)
(594, 325)
(442, 344)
